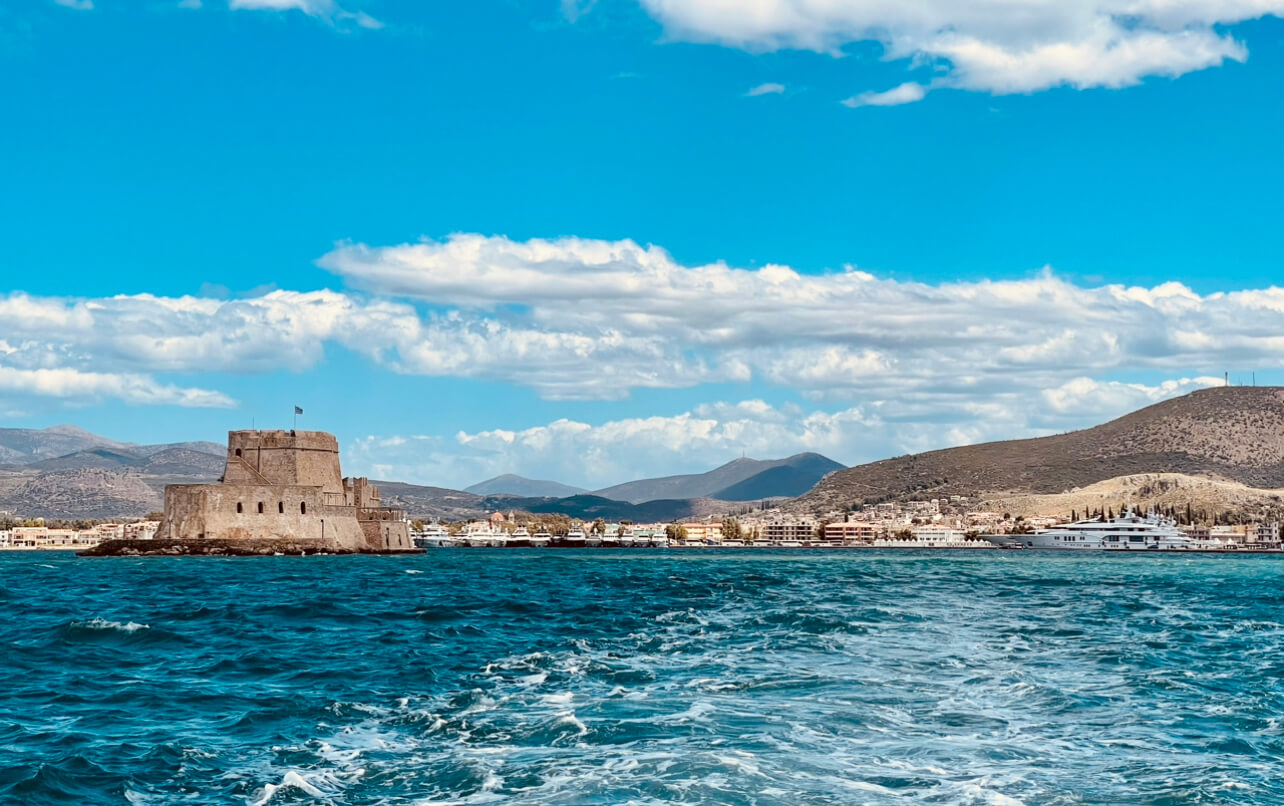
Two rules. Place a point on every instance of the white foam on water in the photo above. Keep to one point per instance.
(559, 699)
(866, 786)
(413, 571)
(291, 780)
(536, 679)
(103, 624)
(569, 718)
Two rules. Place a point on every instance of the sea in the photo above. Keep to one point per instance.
(756, 677)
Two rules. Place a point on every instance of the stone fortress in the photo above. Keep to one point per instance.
(282, 488)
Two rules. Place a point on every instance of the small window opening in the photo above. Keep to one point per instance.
(260, 507)
(280, 507)
(303, 507)
(238, 452)
(239, 508)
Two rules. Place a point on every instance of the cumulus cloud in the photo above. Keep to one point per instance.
(585, 319)
(93, 386)
(637, 313)
(990, 45)
(765, 89)
(599, 455)
(326, 10)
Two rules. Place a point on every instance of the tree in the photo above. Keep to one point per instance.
(675, 531)
(904, 534)
(417, 525)
(730, 529)
(599, 527)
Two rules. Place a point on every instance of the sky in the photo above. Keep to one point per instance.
(597, 241)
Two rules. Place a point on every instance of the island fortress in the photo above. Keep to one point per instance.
(284, 487)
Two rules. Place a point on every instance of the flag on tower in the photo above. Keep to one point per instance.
(298, 410)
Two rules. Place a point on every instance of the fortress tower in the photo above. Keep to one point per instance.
(284, 485)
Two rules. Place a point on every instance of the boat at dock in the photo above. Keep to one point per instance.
(1129, 532)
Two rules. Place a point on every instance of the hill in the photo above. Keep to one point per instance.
(509, 484)
(734, 478)
(1234, 433)
(1147, 491)
(67, 472)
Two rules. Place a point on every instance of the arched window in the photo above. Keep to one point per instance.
(260, 507)
(239, 508)
(280, 507)
(238, 453)
(303, 507)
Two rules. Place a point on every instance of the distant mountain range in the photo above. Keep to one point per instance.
(1232, 433)
(67, 472)
(738, 480)
(509, 484)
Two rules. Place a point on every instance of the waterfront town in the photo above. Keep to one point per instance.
(936, 523)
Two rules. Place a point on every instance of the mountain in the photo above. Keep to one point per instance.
(67, 472)
(509, 484)
(742, 477)
(81, 493)
(20, 446)
(1232, 433)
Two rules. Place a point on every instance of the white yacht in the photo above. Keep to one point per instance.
(609, 541)
(432, 537)
(484, 535)
(520, 538)
(541, 538)
(1129, 532)
(628, 539)
(576, 539)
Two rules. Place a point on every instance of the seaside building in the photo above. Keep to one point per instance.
(789, 531)
(284, 485)
(703, 532)
(853, 532)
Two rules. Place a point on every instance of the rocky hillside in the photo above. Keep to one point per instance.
(83, 493)
(1147, 491)
(67, 472)
(1234, 433)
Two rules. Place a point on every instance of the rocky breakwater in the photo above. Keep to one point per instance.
(227, 548)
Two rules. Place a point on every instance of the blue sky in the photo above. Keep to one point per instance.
(464, 184)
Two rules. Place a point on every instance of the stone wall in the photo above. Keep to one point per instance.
(232, 512)
(306, 458)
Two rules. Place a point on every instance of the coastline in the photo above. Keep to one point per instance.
(227, 547)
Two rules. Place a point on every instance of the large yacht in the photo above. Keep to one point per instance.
(1129, 532)
(434, 536)
(484, 535)
(576, 539)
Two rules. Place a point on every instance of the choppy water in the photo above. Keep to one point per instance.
(553, 677)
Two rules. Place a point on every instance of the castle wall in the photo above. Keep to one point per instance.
(306, 458)
(284, 485)
(231, 512)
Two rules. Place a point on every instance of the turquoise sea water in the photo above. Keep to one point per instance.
(599, 677)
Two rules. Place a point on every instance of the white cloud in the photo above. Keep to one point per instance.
(596, 456)
(93, 386)
(906, 93)
(583, 319)
(998, 46)
(765, 89)
(327, 10)
(78, 5)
